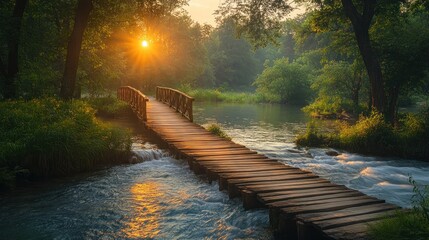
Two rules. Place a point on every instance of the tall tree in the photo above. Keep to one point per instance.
(10, 71)
(361, 23)
(83, 10)
(257, 18)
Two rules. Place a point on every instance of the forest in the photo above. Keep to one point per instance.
(365, 60)
(364, 64)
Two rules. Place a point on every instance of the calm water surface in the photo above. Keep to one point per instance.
(271, 130)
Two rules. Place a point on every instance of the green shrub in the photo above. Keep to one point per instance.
(108, 106)
(313, 138)
(215, 129)
(218, 95)
(54, 138)
(370, 135)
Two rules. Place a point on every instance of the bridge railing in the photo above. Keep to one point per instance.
(177, 100)
(136, 99)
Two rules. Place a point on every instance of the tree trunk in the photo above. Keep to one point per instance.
(392, 106)
(68, 83)
(361, 24)
(10, 72)
(373, 69)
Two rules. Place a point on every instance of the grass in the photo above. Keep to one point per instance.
(48, 137)
(215, 129)
(412, 225)
(108, 106)
(218, 95)
(372, 135)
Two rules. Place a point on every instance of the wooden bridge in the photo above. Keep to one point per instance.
(301, 204)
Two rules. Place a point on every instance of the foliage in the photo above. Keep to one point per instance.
(288, 82)
(372, 135)
(413, 133)
(340, 87)
(369, 135)
(219, 95)
(313, 138)
(108, 106)
(258, 19)
(406, 225)
(216, 130)
(53, 138)
(233, 62)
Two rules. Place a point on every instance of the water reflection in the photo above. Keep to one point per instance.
(144, 222)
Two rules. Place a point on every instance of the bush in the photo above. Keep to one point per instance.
(54, 138)
(215, 129)
(312, 137)
(370, 135)
(217, 95)
(108, 106)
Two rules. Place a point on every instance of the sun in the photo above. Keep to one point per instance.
(145, 44)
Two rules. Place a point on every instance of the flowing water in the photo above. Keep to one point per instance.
(271, 130)
(160, 198)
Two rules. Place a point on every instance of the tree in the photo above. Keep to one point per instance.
(13, 31)
(285, 82)
(340, 86)
(84, 7)
(257, 18)
(233, 60)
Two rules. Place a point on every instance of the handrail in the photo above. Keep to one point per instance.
(177, 100)
(136, 99)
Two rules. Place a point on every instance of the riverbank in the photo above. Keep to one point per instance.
(373, 136)
(45, 138)
(219, 95)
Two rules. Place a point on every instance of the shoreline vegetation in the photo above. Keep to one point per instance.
(47, 137)
(372, 135)
(368, 134)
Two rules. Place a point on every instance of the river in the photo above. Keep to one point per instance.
(271, 130)
(161, 198)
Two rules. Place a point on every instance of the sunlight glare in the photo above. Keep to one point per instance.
(145, 44)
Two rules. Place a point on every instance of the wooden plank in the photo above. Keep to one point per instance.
(326, 207)
(271, 178)
(345, 221)
(244, 169)
(348, 212)
(230, 157)
(237, 161)
(353, 232)
(304, 194)
(296, 184)
(218, 153)
(319, 200)
(339, 188)
(278, 172)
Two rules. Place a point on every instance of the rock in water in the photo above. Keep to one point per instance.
(332, 153)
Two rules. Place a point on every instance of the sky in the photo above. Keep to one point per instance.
(202, 10)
